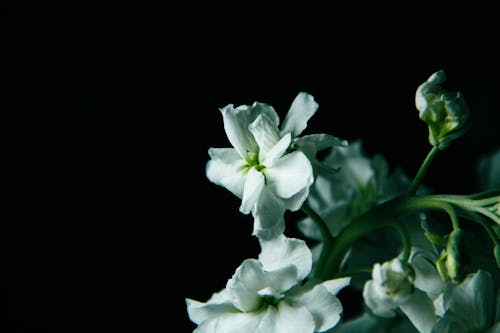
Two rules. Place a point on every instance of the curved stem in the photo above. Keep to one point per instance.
(412, 189)
(325, 235)
(405, 240)
(320, 223)
(379, 217)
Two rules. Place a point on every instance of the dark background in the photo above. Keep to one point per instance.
(107, 113)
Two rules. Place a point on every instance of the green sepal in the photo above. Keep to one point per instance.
(435, 239)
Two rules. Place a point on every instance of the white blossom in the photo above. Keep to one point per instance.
(469, 306)
(267, 295)
(391, 287)
(266, 167)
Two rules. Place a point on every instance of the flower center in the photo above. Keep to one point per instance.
(270, 296)
(252, 160)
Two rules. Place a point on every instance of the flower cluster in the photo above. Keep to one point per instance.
(421, 262)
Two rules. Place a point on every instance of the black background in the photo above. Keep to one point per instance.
(107, 113)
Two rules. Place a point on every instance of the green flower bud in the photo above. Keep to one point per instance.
(454, 258)
(445, 112)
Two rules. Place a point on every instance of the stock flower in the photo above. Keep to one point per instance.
(267, 167)
(360, 183)
(392, 286)
(445, 112)
(266, 295)
(469, 306)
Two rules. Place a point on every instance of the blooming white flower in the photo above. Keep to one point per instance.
(266, 295)
(469, 306)
(392, 286)
(266, 167)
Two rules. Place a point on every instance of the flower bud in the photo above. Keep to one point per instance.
(445, 112)
(454, 258)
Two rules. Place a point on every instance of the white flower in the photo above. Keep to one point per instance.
(392, 287)
(266, 296)
(469, 306)
(266, 168)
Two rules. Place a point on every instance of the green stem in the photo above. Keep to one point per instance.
(325, 235)
(412, 189)
(405, 239)
(379, 217)
(320, 223)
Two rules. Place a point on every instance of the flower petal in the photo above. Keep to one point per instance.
(250, 278)
(295, 201)
(236, 127)
(283, 251)
(290, 319)
(226, 169)
(322, 303)
(289, 175)
(373, 301)
(277, 151)
(265, 133)
(420, 311)
(233, 322)
(472, 300)
(199, 312)
(268, 216)
(302, 109)
(254, 183)
(426, 276)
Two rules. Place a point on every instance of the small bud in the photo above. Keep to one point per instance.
(454, 258)
(445, 112)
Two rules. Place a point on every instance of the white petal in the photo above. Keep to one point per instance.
(282, 251)
(226, 169)
(199, 312)
(250, 278)
(268, 216)
(472, 300)
(265, 134)
(232, 322)
(335, 285)
(302, 109)
(277, 151)
(245, 285)
(267, 110)
(420, 311)
(426, 276)
(373, 301)
(323, 304)
(295, 201)
(236, 127)
(289, 175)
(254, 183)
(292, 320)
